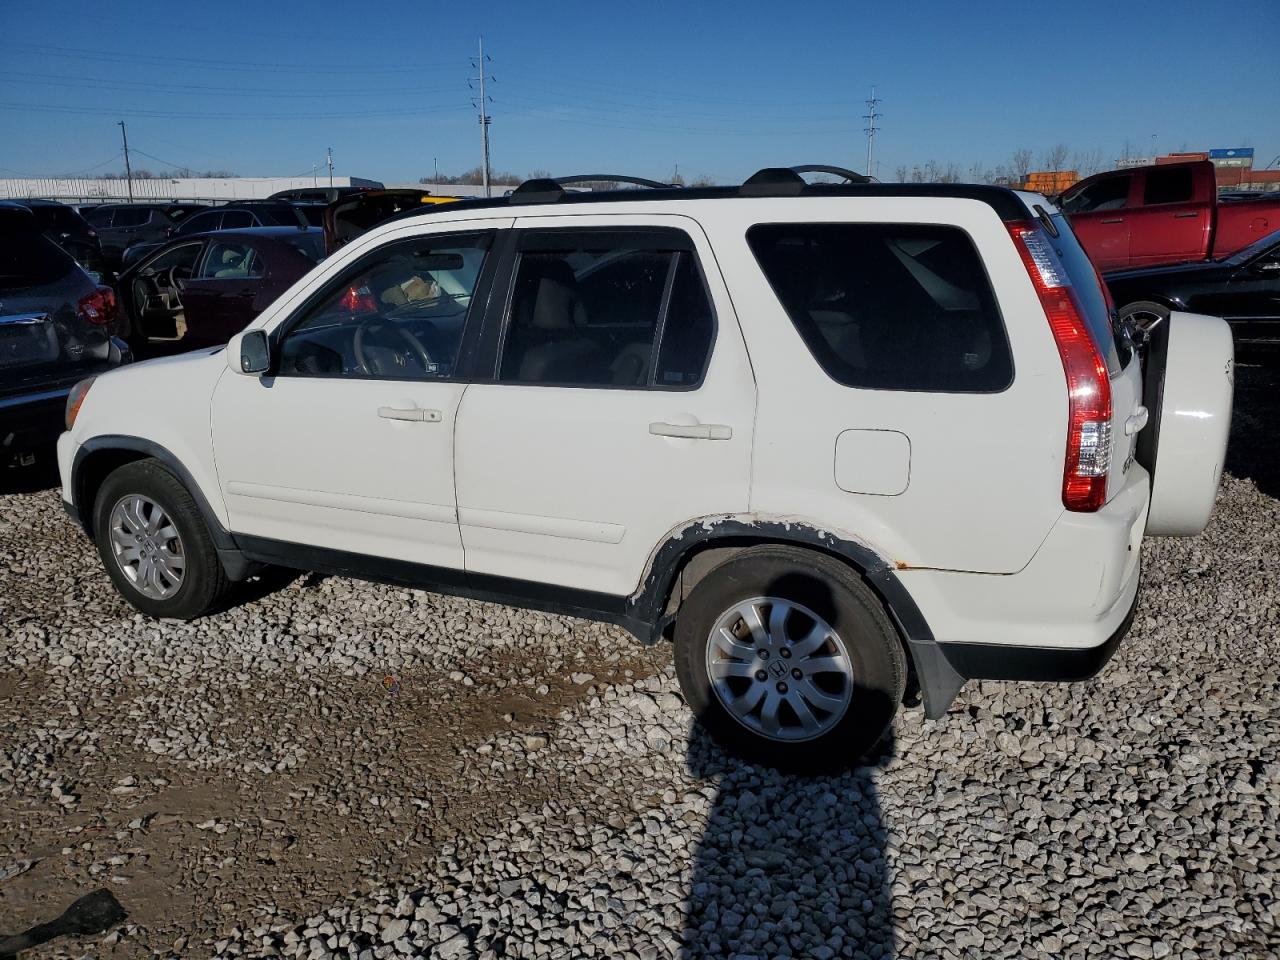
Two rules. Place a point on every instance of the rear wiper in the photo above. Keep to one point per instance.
(1046, 220)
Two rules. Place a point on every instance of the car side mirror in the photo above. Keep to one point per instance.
(252, 353)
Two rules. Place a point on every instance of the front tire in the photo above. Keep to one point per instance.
(789, 659)
(154, 543)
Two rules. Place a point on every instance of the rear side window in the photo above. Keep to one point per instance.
(235, 219)
(605, 310)
(889, 306)
(1109, 193)
(131, 217)
(28, 259)
(1170, 185)
(201, 222)
(99, 216)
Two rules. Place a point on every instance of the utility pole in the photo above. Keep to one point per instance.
(485, 119)
(128, 171)
(329, 160)
(871, 116)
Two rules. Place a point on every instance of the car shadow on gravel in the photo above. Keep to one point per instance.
(789, 866)
(1252, 452)
(41, 475)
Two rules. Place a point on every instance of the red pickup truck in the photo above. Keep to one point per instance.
(1168, 213)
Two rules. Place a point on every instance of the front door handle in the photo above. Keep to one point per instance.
(415, 414)
(694, 431)
(1183, 216)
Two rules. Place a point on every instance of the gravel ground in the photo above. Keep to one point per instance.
(342, 769)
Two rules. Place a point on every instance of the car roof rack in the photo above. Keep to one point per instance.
(552, 189)
(770, 182)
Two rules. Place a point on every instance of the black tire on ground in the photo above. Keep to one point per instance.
(204, 582)
(833, 592)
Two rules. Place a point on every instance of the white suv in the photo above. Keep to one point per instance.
(829, 437)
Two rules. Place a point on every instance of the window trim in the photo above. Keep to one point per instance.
(464, 371)
(822, 368)
(638, 237)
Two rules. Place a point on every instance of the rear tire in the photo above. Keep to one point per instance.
(154, 543)
(822, 675)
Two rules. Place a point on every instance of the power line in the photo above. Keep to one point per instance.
(63, 80)
(84, 53)
(194, 115)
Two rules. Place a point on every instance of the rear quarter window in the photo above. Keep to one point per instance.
(889, 306)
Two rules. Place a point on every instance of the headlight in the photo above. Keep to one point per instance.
(75, 398)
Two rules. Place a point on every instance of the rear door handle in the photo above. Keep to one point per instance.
(1113, 220)
(1184, 216)
(416, 414)
(694, 431)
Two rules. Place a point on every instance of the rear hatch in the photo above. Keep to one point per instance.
(46, 335)
(348, 217)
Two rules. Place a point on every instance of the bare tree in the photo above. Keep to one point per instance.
(1055, 158)
(1020, 164)
(1088, 162)
(900, 173)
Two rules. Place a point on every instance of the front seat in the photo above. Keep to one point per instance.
(549, 315)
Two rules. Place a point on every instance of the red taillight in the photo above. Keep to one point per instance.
(1084, 479)
(98, 307)
(358, 300)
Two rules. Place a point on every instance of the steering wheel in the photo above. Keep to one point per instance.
(173, 279)
(371, 338)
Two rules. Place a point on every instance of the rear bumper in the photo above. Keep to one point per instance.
(32, 420)
(1060, 618)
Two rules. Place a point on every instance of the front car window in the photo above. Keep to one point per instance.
(231, 260)
(889, 306)
(1109, 193)
(399, 314)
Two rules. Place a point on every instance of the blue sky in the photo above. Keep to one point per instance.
(720, 89)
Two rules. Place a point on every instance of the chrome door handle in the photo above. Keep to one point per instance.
(691, 431)
(416, 414)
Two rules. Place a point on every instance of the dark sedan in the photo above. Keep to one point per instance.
(200, 290)
(232, 216)
(1244, 289)
(57, 327)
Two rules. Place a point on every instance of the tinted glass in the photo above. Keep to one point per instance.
(1110, 193)
(1170, 185)
(235, 219)
(131, 217)
(230, 260)
(399, 315)
(313, 213)
(28, 259)
(182, 257)
(889, 306)
(277, 217)
(1089, 290)
(591, 314)
(99, 216)
(310, 245)
(201, 222)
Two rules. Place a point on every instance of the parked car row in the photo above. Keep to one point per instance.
(58, 325)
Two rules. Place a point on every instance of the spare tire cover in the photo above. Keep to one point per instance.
(1188, 397)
